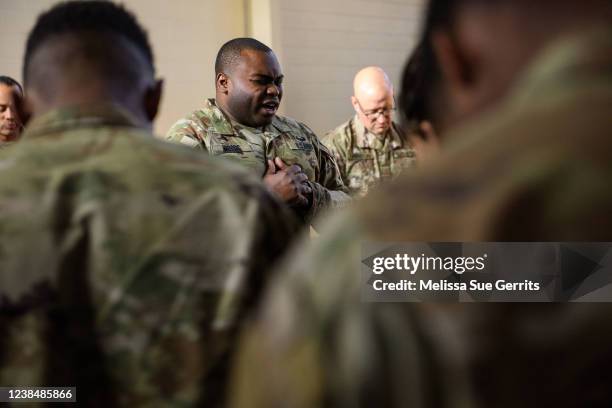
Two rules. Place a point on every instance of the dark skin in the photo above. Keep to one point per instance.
(475, 74)
(78, 81)
(250, 92)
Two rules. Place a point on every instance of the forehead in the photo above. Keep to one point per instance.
(252, 62)
(381, 99)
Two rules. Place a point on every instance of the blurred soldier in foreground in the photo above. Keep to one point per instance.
(370, 148)
(10, 121)
(527, 89)
(241, 124)
(415, 101)
(127, 262)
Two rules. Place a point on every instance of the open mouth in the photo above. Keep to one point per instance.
(270, 107)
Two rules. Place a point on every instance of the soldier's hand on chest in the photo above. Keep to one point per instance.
(287, 182)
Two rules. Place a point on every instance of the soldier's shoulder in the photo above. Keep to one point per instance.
(340, 136)
(205, 117)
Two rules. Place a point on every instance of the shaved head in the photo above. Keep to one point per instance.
(372, 82)
(373, 99)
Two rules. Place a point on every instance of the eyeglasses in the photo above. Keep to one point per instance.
(375, 114)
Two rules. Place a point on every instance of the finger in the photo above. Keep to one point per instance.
(300, 201)
(294, 169)
(306, 192)
(271, 168)
(300, 178)
(280, 163)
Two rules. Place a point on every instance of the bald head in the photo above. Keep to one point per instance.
(372, 82)
(373, 99)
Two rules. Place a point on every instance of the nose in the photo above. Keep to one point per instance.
(273, 90)
(382, 118)
(9, 113)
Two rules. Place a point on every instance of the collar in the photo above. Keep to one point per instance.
(365, 139)
(223, 124)
(74, 117)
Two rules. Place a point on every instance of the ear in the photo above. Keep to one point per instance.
(354, 103)
(454, 64)
(152, 100)
(222, 83)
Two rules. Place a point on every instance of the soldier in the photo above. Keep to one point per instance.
(529, 158)
(416, 110)
(370, 148)
(241, 124)
(10, 121)
(126, 262)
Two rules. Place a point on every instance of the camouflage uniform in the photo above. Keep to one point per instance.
(365, 159)
(539, 169)
(210, 130)
(126, 262)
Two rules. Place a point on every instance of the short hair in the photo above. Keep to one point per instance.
(96, 17)
(10, 82)
(229, 53)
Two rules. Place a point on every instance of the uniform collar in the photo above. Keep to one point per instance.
(364, 139)
(75, 117)
(223, 124)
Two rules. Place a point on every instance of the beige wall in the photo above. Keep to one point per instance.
(325, 42)
(321, 45)
(185, 35)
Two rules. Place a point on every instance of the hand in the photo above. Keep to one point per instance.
(287, 182)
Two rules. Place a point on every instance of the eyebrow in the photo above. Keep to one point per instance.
(268, 76)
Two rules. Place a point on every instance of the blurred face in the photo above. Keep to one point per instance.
(375, 111)
(10, 123)
(253, 88)
(475, 75)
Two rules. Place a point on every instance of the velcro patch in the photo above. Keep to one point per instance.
(232, 149)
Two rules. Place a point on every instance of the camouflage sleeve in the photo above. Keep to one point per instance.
(331, 140)
(189, 132)
(328, 191)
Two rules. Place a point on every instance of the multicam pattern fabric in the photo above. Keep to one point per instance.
(539, 169)
(126, 263)
(366, 160)
(210, 130)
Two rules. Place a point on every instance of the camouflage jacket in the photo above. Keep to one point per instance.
(364, 159)
(126, 263)
(4, 145)
(518, 174)
(210, 130)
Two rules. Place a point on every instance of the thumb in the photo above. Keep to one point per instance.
(271, 168)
